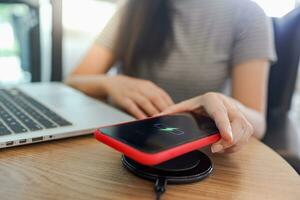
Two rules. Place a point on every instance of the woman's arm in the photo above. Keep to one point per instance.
(141, 98)
(89, 75)
(249, 88)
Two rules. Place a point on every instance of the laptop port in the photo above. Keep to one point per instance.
(22, 141)
(9, 143)
(37, 139)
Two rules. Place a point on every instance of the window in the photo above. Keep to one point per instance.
(83, 20)
(14, 61)
(277, 8)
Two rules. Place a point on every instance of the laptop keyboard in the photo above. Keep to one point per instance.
(20, 113)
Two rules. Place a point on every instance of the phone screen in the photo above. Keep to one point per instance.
(161, 133)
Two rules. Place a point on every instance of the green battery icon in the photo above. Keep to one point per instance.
(167, 129)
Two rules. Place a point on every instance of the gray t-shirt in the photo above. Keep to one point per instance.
(211, 37)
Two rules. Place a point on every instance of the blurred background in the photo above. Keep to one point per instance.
(82, 20)
(42, 40)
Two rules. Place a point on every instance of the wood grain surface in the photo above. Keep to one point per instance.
(82, 169)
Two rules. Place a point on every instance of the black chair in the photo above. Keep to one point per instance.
(57, 38)
(282, 131)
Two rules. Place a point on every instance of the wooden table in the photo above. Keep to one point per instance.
(82, 168)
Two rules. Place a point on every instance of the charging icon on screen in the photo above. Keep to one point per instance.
(167, 129)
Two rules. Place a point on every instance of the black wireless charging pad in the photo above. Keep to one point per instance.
(188, 168)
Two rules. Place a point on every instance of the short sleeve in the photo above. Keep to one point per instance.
(109, 34)
(254, 37)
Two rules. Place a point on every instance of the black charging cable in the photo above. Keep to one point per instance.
(160, 187)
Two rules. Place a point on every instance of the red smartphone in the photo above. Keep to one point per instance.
(155, 140)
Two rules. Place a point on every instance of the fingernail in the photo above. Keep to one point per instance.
(216, 148)
(229, 130)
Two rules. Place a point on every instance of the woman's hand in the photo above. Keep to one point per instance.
(141, 98)
(226, 112)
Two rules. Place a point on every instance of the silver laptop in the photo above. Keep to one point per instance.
(40, 112)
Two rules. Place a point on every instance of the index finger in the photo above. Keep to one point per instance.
(218, 112)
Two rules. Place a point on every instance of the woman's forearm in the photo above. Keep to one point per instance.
(250, 89)
(92, 85)
(257, 119)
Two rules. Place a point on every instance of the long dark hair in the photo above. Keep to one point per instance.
(145, 33)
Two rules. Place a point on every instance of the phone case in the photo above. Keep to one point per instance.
(151, 159)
